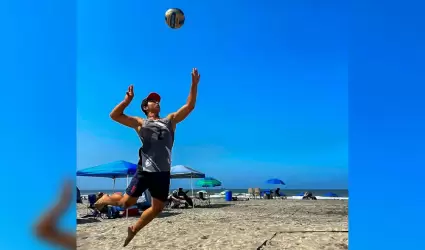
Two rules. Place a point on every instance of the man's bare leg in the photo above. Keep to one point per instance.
(117, 199)
(147, 216)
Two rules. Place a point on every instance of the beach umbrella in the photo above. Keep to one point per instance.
(208, 182)
(275, 181)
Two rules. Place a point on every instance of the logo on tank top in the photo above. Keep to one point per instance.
(162, 125)
(133, 189)
(148, 163)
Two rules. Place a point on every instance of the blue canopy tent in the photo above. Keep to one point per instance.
(184, 172)
(113, 170)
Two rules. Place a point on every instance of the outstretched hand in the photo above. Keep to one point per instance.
(47, 228)
(129, 94)
(195, 76)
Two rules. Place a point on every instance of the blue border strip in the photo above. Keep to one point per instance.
(387, 126)
(38, 88)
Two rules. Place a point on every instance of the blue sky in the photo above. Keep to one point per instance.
(272, 99)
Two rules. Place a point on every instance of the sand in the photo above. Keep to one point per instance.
(254, 224)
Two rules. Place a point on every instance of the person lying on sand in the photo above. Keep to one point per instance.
(99, 195)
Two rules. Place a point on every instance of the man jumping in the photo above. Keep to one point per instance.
(157, 136)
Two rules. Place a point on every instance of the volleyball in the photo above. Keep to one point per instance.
(174, 18)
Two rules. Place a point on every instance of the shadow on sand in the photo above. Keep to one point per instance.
(219, 205)
(87, 220)
(166, 214)
(161, 215)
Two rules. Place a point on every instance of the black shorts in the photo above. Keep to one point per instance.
(158, 184)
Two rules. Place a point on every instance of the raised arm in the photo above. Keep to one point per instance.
(118, 115)
(184, 111)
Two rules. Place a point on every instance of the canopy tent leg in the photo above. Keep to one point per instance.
(191, 187)
(126, 212)
(208, 194)
(113, 185)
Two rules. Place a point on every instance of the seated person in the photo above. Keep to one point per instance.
(175, 195)
(277, 192)
(183, 194)
(175, 200)
(309, 196)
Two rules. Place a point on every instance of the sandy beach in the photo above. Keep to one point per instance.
(254, 224)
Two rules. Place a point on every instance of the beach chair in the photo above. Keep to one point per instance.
(201, 200)
(92, 210)
(267, 194)
(257, 193)
(251, 193)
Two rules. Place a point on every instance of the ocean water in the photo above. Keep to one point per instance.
(287, 192)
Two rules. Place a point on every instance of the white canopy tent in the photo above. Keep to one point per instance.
(184, 172)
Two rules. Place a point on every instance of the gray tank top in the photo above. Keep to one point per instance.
(157, 137)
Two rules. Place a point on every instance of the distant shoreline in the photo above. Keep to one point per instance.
(295, 189)
(241, 191)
